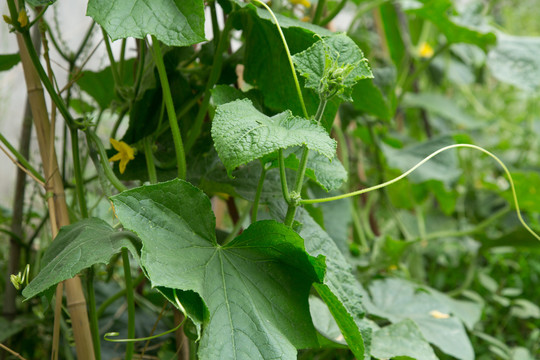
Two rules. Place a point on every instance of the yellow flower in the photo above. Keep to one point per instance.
(125, 153)
(426, 51)
(23, 18)
(304, 3)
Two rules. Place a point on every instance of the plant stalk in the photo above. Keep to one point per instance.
(258, 193)
(130, 346)
(171, 112)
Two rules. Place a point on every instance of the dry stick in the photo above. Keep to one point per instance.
(11, 351)
(76, 301)
(10, 309)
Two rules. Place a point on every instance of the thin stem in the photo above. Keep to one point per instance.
(114, 69)
(318, 12)
(289, 57)
(85, 41)
(429, 157)
(421, 68)
(478, 228)
(130, 346)
(173, 123)
(215, 24)
(79, 182)
(195, 130)
(122, 59)
(104, 160)
(283, 177)
(258, 193)
(118, 295)
(291, 210)
(92, 313)
(333, 14)
(21, 159)
(149, 155)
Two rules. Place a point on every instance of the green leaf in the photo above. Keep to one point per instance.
(443, 167)
(175, 23)
(397, 300)
(255, 287)
(334, 63)
(456, 30)
(77, 247)
(35, 3)
(100, 85)
(438, 104)
(516, 60)
(369, 98)
(401, 339)
(7, 61)
(340, 289)
(242, 134)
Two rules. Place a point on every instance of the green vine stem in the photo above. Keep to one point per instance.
(118, 295)
(195, 130)
(429, 157)
(77, 168)
(104, 160)
(21, 159)
(130, 346)
(258, 193)
(318, 12)
(114, 68)
(291, 210)
(92, 313)
(171, 112)
(289, 57)
(334, 13)
(283, 177)
(149, 156)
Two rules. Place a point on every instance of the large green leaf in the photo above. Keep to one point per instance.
(443, 167)
(7, 61)
(397, 300)
(255, 287)
(401, 339)
(174, 22)
(516, 60)
(456, 29)
(76, 247)
(333, 59)
(340, 289)
(242, 134)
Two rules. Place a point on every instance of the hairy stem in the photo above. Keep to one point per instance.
(149, 156)
(255, 209)
(130, 346)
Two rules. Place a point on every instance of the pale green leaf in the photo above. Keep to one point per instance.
(255, 287)
(397, 300)
(77, 247)
(242, 134)
(174, 22)
(401, 339)
(321, 63)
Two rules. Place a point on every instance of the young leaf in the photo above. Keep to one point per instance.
(178, 23)
(76, 247)
(255, 287)
(242, 134)
(332, 66)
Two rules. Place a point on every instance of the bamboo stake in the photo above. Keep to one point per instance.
(76, 301)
